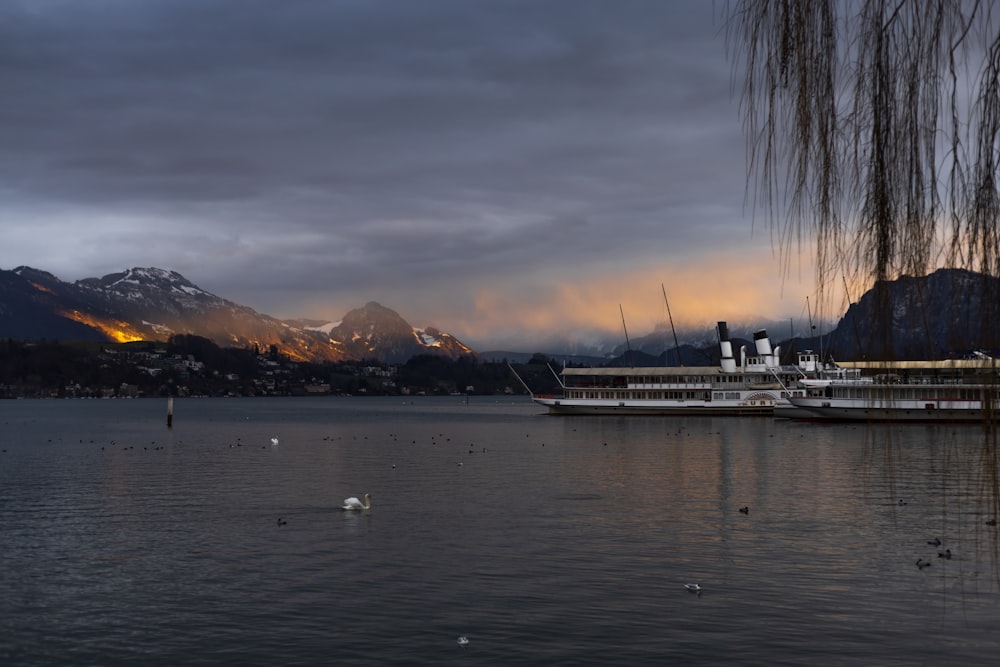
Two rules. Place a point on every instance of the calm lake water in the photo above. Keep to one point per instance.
(543, 540)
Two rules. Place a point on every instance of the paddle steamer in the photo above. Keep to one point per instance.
(753, 386)
(957, 390)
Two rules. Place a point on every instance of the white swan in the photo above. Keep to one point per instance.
(355, 504)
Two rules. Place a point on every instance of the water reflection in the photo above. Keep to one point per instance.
(950, 470)
(559, 540)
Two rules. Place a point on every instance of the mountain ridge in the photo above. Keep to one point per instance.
(943, 313)
(154, 304)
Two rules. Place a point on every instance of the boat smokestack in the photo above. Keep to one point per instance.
(764, 350)
(762, 342)
(728, 363)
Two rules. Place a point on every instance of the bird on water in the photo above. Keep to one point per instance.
(354, 504)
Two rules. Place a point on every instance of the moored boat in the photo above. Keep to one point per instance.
(753, 387)
(961, 390)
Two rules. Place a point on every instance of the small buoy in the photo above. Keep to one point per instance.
(463, 641)
(274, 441)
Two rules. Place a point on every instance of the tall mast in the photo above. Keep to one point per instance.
(677, 345)
(631, 362)
(812, 330)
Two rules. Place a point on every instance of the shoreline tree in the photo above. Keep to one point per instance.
(873, 128)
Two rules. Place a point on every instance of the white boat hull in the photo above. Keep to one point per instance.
(832, 409)
(563, 406)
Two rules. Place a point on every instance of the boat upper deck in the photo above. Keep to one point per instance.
(674, 372)
(687, 377)
(944, 366)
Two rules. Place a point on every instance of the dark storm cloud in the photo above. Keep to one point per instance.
(338, 146)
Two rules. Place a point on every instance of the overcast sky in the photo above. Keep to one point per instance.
(500, 169)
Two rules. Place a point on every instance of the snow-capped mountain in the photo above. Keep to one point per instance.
(376, 332)
(153, 304)
(944, 313)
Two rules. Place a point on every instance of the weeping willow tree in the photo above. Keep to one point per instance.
(873, 128)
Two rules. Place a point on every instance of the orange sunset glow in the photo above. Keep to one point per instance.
(700, 291)
(41, 288)
(120, 332)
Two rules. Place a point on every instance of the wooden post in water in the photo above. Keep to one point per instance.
(170, 411)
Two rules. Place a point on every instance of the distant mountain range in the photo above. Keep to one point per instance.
(943, 314)
(946, 314)
(153, 304)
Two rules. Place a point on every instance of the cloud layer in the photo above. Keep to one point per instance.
(498, 168)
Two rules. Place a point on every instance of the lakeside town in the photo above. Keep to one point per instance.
(190, 365)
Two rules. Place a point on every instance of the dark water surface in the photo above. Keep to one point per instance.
(556, 541)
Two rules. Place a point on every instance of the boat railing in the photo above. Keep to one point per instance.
(925, 380)
(848, 381)
(669, 385)
(872, 382)
(917, 381)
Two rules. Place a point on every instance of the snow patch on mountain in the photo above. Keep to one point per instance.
(325, 328)
(426, 339)
(160, 329)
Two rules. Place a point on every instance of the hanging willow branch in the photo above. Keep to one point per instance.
(862, 119)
